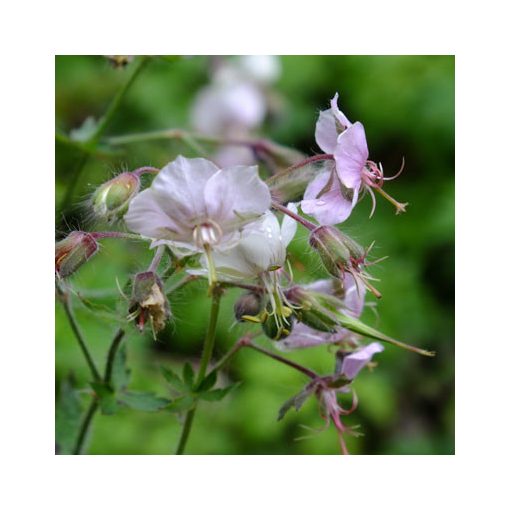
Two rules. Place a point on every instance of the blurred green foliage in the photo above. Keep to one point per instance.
(406, 104)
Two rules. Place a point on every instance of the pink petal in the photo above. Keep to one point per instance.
(339, 115)
(331, 207)
(353, 363)
(326, 134)
(351, 154)
(354, 298)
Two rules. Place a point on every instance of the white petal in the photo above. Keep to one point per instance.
(179, 189)
(289, 226)
(235, 196)
(326, 133)
(147, 218)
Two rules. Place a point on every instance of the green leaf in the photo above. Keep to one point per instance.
(120, 371)
(296, 401)
(207, 383)
(188, 375)
(67, 418)
(180, 404)
(218, 394)
(107, 402)
(173, 379)
(142, 401)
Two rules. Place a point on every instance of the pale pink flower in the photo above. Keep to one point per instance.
(194, 206)
(332, 195)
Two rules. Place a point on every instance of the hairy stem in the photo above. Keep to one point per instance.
(112, 352)
(307, 224)
(204, 362)
(93, 407)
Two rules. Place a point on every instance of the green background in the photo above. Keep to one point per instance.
(406, 405)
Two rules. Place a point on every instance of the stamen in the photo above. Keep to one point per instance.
(398, 173)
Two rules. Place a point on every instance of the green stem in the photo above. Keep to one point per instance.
(79, 336)
(204, 362)
(93, 407)
(116, 101)
(94, 404)
(114, 347)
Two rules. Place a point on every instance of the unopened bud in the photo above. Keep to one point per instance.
(74, 251)
(247, 304)
(315, 309)
(111, 200)
(330, 246)
(149, 302)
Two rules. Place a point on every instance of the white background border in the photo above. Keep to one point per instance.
(33, 34)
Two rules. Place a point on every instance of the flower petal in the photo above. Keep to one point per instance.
(353, 363)
(326, 133)
(354, 297)
(303, 337)
(146, 217)
(289, 226)
(351, 154)
(339, 115)
(236, 196)
(331, 207)
(179, 189)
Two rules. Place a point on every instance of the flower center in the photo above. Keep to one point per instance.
(208, 233)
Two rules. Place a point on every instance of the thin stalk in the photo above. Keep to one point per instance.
(93, 407)
(157, 259)
(112, 352)
(79, 336)
(303, 370)
(117, 235)
(204, 362)
(181, 283)
(308, 161)
(94, 404)
(106, 119)
(307, 224)
(242, 342)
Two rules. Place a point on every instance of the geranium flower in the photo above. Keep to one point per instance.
(353, 299)
(332, 195)
(193, 206)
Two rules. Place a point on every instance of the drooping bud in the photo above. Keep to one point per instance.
(73, 251)
(248, 304)
(149, 302)
(332, 249)
(111, 200)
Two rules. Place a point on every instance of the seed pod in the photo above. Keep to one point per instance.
(148, 301)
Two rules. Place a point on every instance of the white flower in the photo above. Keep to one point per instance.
(262, 248)
(194, 206)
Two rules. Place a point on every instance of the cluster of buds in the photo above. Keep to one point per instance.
(73, 251)
(149, 302)
(111, 200)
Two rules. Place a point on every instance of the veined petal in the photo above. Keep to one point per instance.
(331, 207)
(179, 189)
(146, 217)
(353, 363)
(302, 337)
(235, 196)
(351, 154)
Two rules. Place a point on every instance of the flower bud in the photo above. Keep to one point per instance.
(148, 301)
(111, 200)
(73, 251)
(277, 325)
(315, 309)
(247, 304)
(330, 246)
